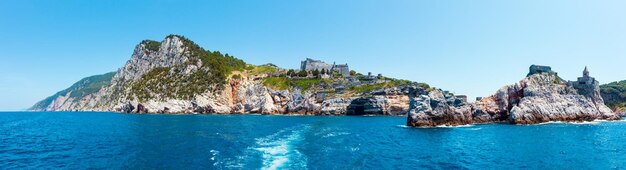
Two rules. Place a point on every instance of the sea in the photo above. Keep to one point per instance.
(100, 140)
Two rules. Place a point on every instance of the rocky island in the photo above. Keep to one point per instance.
(178, 76)
(541, 96)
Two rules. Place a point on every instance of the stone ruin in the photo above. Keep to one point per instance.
(537, 69)
(312, 65)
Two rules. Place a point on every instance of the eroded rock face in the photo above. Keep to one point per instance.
(366, 106)
(543, 100)
(434, 109)
(252, 97)
(537, 98)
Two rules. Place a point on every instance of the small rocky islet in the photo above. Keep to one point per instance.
(178, 76)
(540, 97)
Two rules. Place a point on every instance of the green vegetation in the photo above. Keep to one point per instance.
(262, 69)
(353, 73)
(302, 73)
(367, 88)
(170, 82)
(278, 83)
(283, 83)
(152, 45)
(236, 77)
(91, 85)
(557, 80)
(423, 85)
(391, 83)
(80, 89)
(306, 84)
(219, 64)
(614, 95)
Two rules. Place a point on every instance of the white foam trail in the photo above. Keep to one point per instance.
(333, 134)
(586, 123)
(278, 149)
(549, 122)
(455, 126)
(214, 153)
(403, 126)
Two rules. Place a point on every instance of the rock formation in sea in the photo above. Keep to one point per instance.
(542, 96)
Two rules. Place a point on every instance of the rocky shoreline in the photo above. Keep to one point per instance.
(175, 76)
(538, 98)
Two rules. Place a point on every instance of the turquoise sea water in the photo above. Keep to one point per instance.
(82, 140)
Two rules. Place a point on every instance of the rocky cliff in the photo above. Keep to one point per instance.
(540, 97)
(177, 76)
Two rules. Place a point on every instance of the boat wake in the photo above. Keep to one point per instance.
(279, 150)
(333, 134)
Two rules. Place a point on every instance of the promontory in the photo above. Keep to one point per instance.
(176, 75)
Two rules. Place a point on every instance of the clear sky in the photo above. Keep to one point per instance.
(471, 47)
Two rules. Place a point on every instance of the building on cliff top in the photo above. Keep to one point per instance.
(312, 65)
(536, 69)
(585, 84)
(342, 69)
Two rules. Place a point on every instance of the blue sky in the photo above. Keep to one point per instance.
(468, 47)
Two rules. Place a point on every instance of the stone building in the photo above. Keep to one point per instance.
(312, 65)
(342, 69)
(373, 79)
(585, 84)
(535, 69)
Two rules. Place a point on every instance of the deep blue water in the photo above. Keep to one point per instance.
(122, 141)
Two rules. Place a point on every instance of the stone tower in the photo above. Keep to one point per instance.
(587, 85)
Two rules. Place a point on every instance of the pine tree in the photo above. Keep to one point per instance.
(302, 73)
(316, 72)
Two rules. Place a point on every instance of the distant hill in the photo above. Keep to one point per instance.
(80, 89)
(614, 95)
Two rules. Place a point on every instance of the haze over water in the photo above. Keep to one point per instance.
(81, 140)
